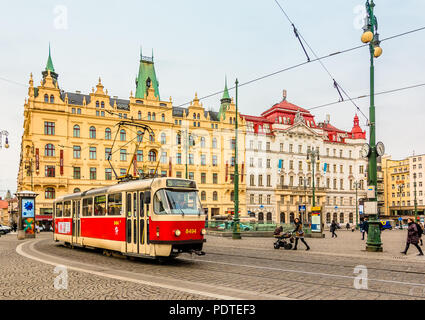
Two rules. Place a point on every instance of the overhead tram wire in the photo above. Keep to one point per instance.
(368, 95)
(335, 83)
(302, 64)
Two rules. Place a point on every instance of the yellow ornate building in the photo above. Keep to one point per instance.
(68, 137)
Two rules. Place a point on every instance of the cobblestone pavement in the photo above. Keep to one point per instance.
(241, 269)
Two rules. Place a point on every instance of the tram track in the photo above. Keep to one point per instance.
(312, 262)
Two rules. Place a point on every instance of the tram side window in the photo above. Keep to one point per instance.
(135, 204)
(87, 207)
(114, 204)
(128, 204)
(100, 205)
(159, 203)
(67, 209)
(142, 209)
(59, 209)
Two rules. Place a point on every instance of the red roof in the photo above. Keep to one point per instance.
(329, 127)
(285, 106)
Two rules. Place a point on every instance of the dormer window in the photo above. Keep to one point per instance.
(102, 105)
(97, 104)
(46, 98)
(52, 99)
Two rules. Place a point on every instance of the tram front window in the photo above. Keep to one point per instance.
(177, 202)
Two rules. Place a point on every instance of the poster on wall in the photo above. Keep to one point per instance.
(27, 208)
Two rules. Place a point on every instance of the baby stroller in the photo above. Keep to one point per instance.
(282, 242)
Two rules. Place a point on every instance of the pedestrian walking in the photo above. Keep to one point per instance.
(420, 231)
(347, 226)
(412, 237)
(333, 228)
(299, 234)
(365, 227)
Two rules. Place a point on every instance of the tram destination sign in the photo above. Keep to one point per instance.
(181, 183)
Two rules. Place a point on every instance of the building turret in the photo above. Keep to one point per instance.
(50, 67)
(225, 102)
(146, 78)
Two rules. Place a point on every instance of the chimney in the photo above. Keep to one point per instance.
(284, 95)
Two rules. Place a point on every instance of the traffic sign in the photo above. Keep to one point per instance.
(301, 208)
(400, 219)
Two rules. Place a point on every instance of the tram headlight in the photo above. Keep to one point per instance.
(177, 233)
(203, 232)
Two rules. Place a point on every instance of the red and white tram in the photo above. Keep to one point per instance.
(124, 218)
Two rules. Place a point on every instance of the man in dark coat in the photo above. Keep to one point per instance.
(365, 227)
(412, 237)
(333, 228)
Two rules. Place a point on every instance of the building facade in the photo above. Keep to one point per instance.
(68, 138)
(279, 177)
(402, 179)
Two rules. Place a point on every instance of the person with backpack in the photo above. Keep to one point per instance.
(412, 237)
(420, 231)
(333, 228)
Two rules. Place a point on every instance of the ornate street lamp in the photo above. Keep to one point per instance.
(372, 150)
(313, 158)
(236, 225)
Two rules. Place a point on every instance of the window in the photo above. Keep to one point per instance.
(178, 174)
(251, 199)
(251, 180)
(163, 157)
(203, 196)
(87, 207)
(139, 155)
(100, 205)
(149, 116)
(46, 98)
(191, 161)
(92, 153)
(179, 158)
(139, 115)
(49, 171)
(123, 154)
(178, 139)
(153, 116)
(214, 160)
(269, 197)
(139, 136)
(97, 104)
(163, 138)
(108, 174)
(202, 142)
(269, 179)
(260, 180)
(67, 209)
(92, 173)
(203, 160)
(151, 137)
(52, 99)
(191, 176)
(78, 111)
(92, 132)
(115, 204)
(232, 196)
(268, 163)
(49, 193)
(107, 134)
(203, 177)
(77, 173)
(77, 152)
(215, 178)
(215, 196)
(76, 131)
(49, 128)
(49, 150)
(122, 135)
(152, 156)
(108, 153)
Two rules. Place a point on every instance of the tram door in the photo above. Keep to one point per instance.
(75, 221)
(132, 223)
(142, 225)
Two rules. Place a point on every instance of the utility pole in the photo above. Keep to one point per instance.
(236, 225)
(371, 36)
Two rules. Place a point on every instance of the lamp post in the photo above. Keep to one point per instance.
(313, 158)
(236, 225)
(356, 186)
(371, 36)
(6, 143)
(416, 202)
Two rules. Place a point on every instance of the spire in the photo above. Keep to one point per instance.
(49, 65)
(226, 91)
(225, 101)
(147, 77)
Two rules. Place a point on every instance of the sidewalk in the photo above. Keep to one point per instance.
(347, 244)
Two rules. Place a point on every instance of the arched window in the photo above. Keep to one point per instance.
(151, 137)
(282, 217)
(230, 120)
(152, 156)
(122, 135)
(49, 150)
(178, 138)
(49, 193)
(341, 217)
(214, 143)
(215, 196)
(350, 217)
(139, 136)
(97, 104)
(163, 138)
(291, 217)
(203, 196)
(163, 117)
(149, 116)
(153, 116)
(202, 142)
(260, 217)
(52, 99)
(139, 115)
(335, 217)
(102, 104)
(46, 98)
(194, 116)
(92, 132)
(328, 217)
(269, 217)
(76, 131)
(77, 190)
(107, 134)
(198, 116)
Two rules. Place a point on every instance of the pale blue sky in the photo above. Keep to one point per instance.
(196, 43)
